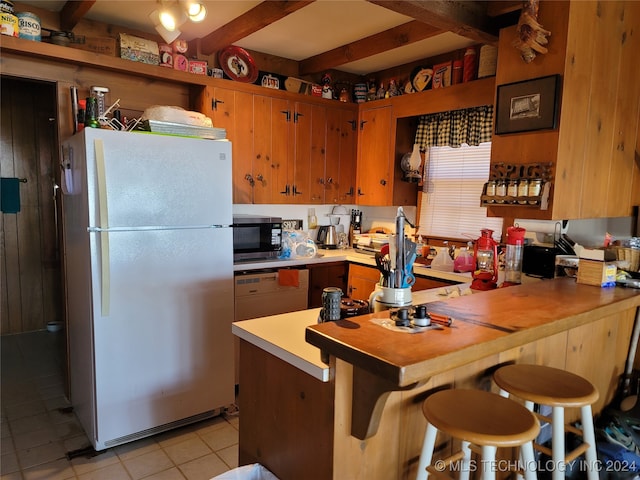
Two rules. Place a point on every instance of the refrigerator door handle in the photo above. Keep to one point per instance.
(103, 224)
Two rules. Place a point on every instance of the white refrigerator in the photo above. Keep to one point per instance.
(149, 281)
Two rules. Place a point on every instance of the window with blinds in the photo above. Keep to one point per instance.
(453, 184)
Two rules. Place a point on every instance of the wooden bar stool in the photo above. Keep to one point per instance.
(558, 389)
(478, 419)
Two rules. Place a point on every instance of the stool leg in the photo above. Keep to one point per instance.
(588, 436)
(488, 462)
(466, 461)
(427, 452)
(557, 440)
(528, 461)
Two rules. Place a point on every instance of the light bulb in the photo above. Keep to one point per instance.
(196, 11)
(167, 20)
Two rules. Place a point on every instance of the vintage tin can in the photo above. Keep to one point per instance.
(166, 55)
(6, 6)
(29, 24)
(9, 25)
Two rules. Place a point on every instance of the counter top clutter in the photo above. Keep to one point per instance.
(283, 335)
(345, 255)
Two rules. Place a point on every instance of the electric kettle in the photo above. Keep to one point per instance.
(327, 236)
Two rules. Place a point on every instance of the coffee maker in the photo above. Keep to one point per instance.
(327, 237)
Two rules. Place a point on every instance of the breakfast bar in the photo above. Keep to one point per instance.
(366, 420)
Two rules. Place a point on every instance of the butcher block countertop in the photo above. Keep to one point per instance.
(484, 324)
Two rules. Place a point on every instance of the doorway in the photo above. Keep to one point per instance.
(30, 256)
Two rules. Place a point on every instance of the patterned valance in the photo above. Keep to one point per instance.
(468, 125)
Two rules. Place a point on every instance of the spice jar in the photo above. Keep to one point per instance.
(501, 190)
(491, 191)
(523, 191)
(512, 189)
(535, 188)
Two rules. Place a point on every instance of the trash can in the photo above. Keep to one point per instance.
(247, 472)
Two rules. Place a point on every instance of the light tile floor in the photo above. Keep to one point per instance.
(37, 433)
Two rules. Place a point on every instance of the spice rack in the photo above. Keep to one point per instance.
(523, 185)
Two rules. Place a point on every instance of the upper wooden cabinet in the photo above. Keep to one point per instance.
(375, 153)
(594, 151)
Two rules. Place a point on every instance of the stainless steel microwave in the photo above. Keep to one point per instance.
(256, 237)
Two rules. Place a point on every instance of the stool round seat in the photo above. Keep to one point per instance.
(546, 385)
(480, 417)
(482, 422)
(558, 389)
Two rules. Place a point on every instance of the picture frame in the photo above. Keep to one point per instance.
(528, 105)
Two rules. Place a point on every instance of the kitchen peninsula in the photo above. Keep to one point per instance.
(362, 418)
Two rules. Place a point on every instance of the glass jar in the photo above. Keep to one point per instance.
(491, 191)
(501, 190)
(523, 191)
(535, 189)
(512, 189)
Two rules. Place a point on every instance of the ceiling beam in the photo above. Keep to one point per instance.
(249, 22)
(72, 12)
(466, 18)
(404, 34)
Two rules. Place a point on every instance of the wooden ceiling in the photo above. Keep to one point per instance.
(478, 21)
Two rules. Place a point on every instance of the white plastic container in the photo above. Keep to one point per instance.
(442, 260)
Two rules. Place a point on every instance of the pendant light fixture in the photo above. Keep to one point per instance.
(171, 14)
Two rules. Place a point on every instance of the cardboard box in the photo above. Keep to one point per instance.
(139, 49)
(594, 272)
(102, 45)
(600, 254)
(441, 75)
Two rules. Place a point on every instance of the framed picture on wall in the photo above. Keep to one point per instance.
(528, 105)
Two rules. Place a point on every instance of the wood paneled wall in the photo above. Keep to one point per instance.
(30, 260)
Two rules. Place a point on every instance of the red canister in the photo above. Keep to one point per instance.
(469, 65)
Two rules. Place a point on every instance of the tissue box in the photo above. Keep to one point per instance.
(594, 272)
(139, 49)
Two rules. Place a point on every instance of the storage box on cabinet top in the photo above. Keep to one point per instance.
(139, 49)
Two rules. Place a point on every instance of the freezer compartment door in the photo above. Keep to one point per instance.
(140, 180)
(163, 308)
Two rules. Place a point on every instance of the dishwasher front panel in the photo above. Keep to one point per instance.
(261, 295)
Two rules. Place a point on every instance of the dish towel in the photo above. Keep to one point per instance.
(288, 278)
(9, 195)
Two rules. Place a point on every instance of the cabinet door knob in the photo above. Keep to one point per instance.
(287, 114)
(329, 181)
(383, 182)
(214, 103)
(250, 179)
(360, 192)
(362, 122)
(353, 124)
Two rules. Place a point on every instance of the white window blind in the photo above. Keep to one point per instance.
(451, 193)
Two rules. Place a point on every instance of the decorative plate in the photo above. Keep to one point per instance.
(421, 78)
(238, 64)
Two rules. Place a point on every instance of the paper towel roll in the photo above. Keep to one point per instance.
(538, 229)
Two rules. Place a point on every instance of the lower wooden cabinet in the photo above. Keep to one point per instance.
(326, 275)
(362, 281)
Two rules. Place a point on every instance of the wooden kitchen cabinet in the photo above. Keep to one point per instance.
(591, 153)
(362, 281)
(322, 275)
(340, 164)
(233, 110)
(375, 153)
